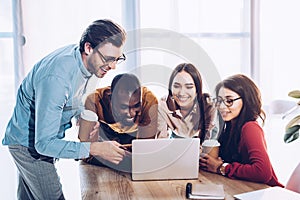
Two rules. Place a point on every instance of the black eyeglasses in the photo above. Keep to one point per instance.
(110, 60)
(227, 102)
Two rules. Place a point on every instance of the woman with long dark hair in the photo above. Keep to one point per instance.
(243, 151)
(186, 111)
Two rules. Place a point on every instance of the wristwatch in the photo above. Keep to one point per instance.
(222, 169)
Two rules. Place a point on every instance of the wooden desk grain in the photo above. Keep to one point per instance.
(104, 183)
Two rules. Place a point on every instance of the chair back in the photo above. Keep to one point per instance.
(294, 181)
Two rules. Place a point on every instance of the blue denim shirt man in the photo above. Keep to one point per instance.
(48, 98)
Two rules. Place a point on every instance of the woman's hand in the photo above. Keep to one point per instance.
(210, 163)
(163, 134)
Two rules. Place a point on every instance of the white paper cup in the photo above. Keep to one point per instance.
(89, 115)
(211, 147)
(87, 122)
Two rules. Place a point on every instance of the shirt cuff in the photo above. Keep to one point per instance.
(84, 151)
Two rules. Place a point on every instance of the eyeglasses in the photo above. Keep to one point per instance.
(227, 102)
(110, 60)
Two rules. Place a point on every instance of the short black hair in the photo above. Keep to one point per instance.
(126, 81)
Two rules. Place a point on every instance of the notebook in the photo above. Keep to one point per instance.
(205, 191)
(165, 159)
(269, 194)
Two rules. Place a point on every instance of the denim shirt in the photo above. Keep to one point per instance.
(48, 98)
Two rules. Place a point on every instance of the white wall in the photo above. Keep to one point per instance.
(280, 42)
(280, 70)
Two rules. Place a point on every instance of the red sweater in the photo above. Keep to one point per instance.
(253, 149)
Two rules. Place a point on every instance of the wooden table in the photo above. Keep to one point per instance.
(104, 183)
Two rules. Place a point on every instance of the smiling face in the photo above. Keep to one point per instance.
(95, 63)
(184, 90)
(232, 112)
(126, 106)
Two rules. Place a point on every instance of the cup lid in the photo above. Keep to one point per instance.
(89, 115)
(211, 143)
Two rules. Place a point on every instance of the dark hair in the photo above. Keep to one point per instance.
(101, 32)
(204, 107)
(251, 110)
(127, 82)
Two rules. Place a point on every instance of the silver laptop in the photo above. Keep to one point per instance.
(161, 159)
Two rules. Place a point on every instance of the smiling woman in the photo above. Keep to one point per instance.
(243, 150)
(184, 92)
(186, 111)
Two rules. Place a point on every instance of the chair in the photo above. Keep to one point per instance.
(294, 180)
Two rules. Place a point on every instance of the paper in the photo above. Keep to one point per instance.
(269, 194)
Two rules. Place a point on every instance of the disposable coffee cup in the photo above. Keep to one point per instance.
(211, 147)
(87, 122)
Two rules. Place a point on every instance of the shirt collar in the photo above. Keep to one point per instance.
(82, 68)
(194, 110)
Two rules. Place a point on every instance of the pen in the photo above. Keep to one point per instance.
(126, 145)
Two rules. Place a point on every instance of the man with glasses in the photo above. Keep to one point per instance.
(126, 111)
(49, 96)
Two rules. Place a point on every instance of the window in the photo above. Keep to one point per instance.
(7, 93)
(7, 85)
(220, 28)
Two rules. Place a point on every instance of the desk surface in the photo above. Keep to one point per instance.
(104, 183)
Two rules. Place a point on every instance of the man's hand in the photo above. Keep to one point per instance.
(108, 150)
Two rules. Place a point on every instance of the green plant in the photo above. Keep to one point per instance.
(292, 128)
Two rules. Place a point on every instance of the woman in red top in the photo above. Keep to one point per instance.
(243, 151)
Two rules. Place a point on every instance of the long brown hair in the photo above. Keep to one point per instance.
(251, 111)
(205, 117)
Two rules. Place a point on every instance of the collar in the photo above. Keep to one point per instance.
(82, 68)
(194, 110)
(120, 129)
